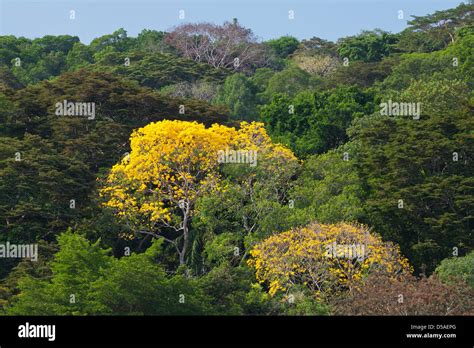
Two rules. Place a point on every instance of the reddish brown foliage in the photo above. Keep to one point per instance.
(222, 46)
(383, 295)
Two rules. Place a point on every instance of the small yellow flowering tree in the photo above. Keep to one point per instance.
(323, 258)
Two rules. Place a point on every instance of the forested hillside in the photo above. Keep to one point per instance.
(203, 171)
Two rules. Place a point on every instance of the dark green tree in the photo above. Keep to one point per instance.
(316, 122)
(239, 95)
(437, 30)
(418, 173)
(369, 46)
(284, 46)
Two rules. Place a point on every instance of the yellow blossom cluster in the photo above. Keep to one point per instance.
(172, 163)
(315, 257)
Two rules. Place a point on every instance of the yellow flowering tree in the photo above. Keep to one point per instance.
(172, 164)
(323, 258)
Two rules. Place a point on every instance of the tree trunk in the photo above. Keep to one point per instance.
(185, 240)
(181, 258)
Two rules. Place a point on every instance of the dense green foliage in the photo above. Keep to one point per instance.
(370, 46)
(284, 46)
(314, 122)
(238, 92)
(452, 269)
(409, 177)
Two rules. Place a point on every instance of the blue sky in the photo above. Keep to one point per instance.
(328, 19)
